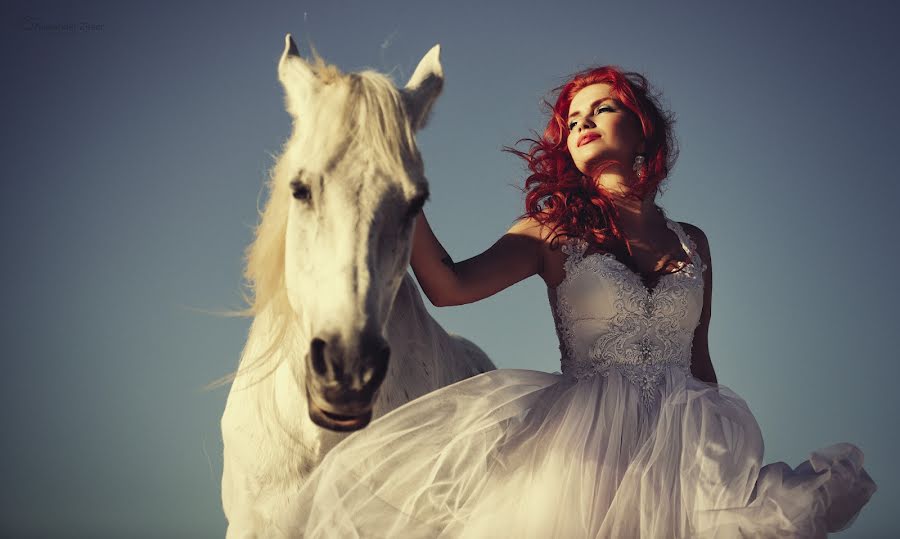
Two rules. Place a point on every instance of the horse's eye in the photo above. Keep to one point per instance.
(301, 191)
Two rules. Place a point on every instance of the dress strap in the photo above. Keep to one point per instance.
(687, 243)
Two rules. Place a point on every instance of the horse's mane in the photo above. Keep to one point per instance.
(381, 129)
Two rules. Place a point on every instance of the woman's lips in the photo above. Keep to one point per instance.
(587, 138)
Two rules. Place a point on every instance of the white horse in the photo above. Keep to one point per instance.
(340, 334)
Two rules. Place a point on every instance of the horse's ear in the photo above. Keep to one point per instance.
(297, 77)
(423, 88)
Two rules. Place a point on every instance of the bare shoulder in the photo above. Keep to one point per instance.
(541, 232)
(699, 237)
(551, 267)
(695, 232)
(530, 226)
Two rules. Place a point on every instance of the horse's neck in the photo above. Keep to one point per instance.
(414, 337)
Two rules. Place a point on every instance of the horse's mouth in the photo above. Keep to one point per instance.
(338, 422)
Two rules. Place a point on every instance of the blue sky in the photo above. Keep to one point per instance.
(137, 139)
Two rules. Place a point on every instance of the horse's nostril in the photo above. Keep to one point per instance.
(379, 365)
(317, 354)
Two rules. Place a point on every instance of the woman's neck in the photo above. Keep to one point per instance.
(634, 215)
(637, 216)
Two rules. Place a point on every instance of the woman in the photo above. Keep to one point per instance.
(635, 437)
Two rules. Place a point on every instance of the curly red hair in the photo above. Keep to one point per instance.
(558, 194)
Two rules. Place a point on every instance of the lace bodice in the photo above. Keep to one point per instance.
(607, 318)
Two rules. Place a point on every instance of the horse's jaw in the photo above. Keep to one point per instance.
(336, 422)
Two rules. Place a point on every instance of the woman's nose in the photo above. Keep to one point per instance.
(585, 123)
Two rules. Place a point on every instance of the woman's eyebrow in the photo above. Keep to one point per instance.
(594, 104)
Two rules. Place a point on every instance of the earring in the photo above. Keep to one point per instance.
(638, 164)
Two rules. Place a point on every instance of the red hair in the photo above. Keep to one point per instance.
(557, 193)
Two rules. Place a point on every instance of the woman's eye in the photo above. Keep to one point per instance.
(596, 111)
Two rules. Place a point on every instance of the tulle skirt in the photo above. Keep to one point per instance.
(524, 453)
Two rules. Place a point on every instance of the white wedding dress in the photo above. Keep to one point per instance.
(622, 443)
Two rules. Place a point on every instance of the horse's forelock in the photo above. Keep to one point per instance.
(383, 126)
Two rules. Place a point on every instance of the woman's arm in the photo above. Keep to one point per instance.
(701, 363)
(514, 257)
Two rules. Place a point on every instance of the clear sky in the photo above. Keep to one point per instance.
(136, 140)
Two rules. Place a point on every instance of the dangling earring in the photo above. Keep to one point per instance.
(638, 166)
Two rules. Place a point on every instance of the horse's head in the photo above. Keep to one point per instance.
(350, 182)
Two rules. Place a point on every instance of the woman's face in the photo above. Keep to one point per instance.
(613, 131)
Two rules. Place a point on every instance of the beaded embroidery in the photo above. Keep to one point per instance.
(608, 319)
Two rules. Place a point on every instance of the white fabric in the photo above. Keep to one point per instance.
(623, 442)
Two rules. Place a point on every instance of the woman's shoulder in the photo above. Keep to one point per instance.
(536, 225)
(541, 227)
(697, 235)
(550, 241)
(693, 230)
